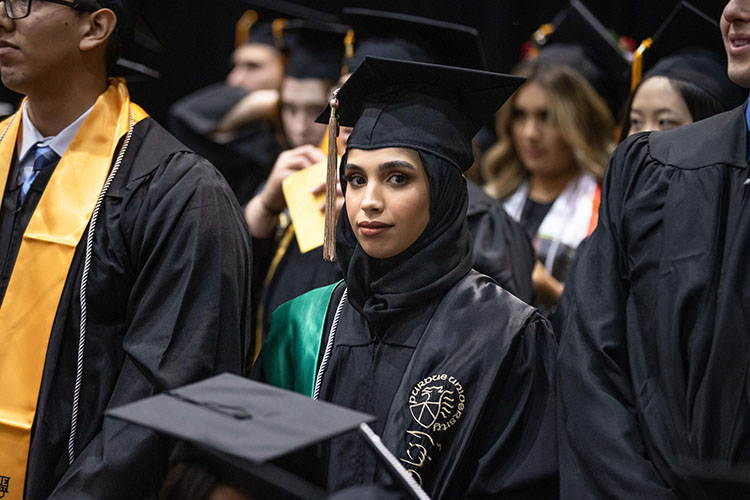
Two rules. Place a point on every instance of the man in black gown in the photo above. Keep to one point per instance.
(653, 385)
(124, 261)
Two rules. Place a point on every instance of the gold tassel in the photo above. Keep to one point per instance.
(329, 237)
(348, 50)
(242, 28)
(277, 28)
(636, 71)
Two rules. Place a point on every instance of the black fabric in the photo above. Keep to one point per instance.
(315, 49)
(412, 38)
(654, 356)
(295, 274)
(168, 297)
(533, 215)
(502, 250)
(491, 354)
(382, 290)
(246, 160)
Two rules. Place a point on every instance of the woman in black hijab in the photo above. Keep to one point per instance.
(457, 371)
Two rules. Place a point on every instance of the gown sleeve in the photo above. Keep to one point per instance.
(517, 454)
(601, 449)
(187, 316)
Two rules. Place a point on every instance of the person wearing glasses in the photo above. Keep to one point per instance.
(124, 260)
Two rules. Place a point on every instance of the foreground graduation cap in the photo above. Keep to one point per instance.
(580, 41)
(412, 38)
(315, 49)
(688, 46)
(241, 426)
(426, 107)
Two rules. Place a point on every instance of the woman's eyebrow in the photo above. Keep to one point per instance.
(352, 166)
(396, 164)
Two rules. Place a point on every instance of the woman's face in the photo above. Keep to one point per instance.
(387, 199)
(540, 146)
(657, 105)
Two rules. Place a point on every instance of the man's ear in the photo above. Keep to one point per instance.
(100, 26)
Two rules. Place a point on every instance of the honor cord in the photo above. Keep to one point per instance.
(84, 281)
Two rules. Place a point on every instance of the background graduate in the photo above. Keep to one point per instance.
(456, 370)
(652, 369)
(685, 78)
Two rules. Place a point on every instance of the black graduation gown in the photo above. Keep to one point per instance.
(654, 361)
(296, 273)
(168, 303)
(501, 250)
(246, 160)
(483, 360)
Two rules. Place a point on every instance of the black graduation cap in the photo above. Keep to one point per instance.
(580, 41)
(412, 38)
(144, 29)
(688, 46)
(315, 49)
(242, 430)
(427, 107)
(259, 24)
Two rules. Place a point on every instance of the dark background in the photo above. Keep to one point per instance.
(202, 33)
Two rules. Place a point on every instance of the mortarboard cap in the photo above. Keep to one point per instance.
(264, 20)
(315, 49)
(238, 427)
(412, 38)
(580, 41)
(688, 46)
(426, 107)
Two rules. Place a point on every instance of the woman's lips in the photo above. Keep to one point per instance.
(373, 228)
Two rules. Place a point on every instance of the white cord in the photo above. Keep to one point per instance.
(84, 281)
(329, 345)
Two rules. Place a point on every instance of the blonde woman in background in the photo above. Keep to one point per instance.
(554, 140)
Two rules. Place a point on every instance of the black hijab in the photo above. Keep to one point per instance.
(384, 289)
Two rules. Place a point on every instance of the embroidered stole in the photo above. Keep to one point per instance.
(28, 310)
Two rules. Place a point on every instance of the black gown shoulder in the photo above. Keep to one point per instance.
(652, 368)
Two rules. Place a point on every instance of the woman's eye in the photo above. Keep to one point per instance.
(355, 180)
(635, 122)
(397, 179)
(667, 124)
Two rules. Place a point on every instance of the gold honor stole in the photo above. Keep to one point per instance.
(44, 259)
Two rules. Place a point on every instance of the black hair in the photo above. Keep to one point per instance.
(700, 103)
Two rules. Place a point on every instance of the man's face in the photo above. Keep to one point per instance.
(735, 28)
(36, 52)
(301, 102)
(256, 66)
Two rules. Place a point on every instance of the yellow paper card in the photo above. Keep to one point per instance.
(304, 207)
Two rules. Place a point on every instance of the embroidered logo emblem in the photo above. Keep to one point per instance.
(437, 402)
(4, 480)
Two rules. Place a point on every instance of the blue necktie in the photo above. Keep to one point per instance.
(43, 157)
